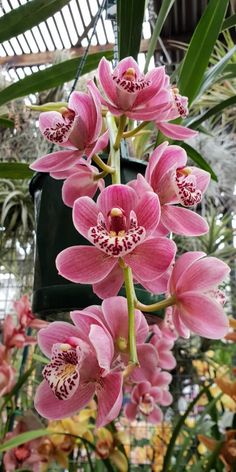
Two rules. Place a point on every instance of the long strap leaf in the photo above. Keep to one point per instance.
(198, 54)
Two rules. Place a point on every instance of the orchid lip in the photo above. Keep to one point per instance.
(186, 187)
(116, 240)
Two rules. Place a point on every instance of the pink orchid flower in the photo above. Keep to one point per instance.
(7, 372)
(25, 316)
(175, 184)
(198, 307)
(132, 93)
(80, 180)
(88, 358)
(119, 225)
(178, 109)
(163, 345)
(147, 396)
(77, 128)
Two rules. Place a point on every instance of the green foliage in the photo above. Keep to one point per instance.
(15, 170)
(130, 21)
(199, 160)
(51, 77)
(201, 46)
(28, 15)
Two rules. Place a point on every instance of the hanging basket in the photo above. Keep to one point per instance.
(54, 232)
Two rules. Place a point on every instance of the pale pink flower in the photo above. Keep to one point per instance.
(193, 282)
(25, 456)
(77, 128)
(7, 372)
(119, 225)
(88, 359)
(175, 184)
(178, 109)
(163, 345)
(147, 396)
(129, 92)
(25, 316)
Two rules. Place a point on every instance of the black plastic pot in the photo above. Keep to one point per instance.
(55, 232)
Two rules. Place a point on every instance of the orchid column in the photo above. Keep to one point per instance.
(128, 228)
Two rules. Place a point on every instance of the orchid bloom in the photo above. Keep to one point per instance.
(80, 180)
(129, 92)
(163, 344)
(146, 396)
(178, 109)
(120, 226)
(198, 302)
(87, 359)
(7, 372)
(175, 184)
(76, 128)
(106, 448)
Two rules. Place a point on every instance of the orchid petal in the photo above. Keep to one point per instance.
(56, 332)
(148, 359)
(84, 264)
(176, 131)
(148, 212)
(103, 345)
(117, 195)
(109, 395)
(85, 215)
(111, 284)
(182, 263)
(204, 274)
(99, 145)
(203, 315)
(56, 161)
(156, 416)
(130, 410)
(78, 185)
(183, 221)
(151, 258)
(105, 78)
(179, 325)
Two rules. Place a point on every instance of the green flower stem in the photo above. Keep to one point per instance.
(133, 132)
(114, 157)
(119, 136)
(156, 306)
(101, 175)
(102, 165)
(131, 314)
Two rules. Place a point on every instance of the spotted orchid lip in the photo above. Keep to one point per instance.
(120, 242)
(60, 131)
(131, 85)
(186, 188)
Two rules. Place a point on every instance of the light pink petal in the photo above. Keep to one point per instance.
(157, 78)
(120, 196)
(154, 159)
(111, 284)
(84, 264)
(116, 315)
(78, 185)
(139, 390)
(130, 410)
(103, 345)
(109, 395)
(182, 263)
(105, 78)
(99, 145)
(85, 215)
(125, 64)
(48, 406)
(148, 211)
(56, 332)
(167, 360)
(167, 398)
(179, 325)
(171, 158)
(56, 161)
(140, 185)
(203, 178)
(83, 319)
(148, 359)
(204, 274)
(183, 221)
(203, 315)
(97, 125)
(84, 107)
(156, 416)
(152, 258)
(176, 131)
(158, 285)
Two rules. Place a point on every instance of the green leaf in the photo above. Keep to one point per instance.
(194, 123)
(51, 77)
(229, 22)
(201, 46)
(23, 438)
(229, 72)
(15, 170)
(130, 22)
(26, 16)
(162, 15)
(213, 72)
(5, 122)
(199, 160)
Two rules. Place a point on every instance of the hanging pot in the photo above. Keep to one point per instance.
(55, 232)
